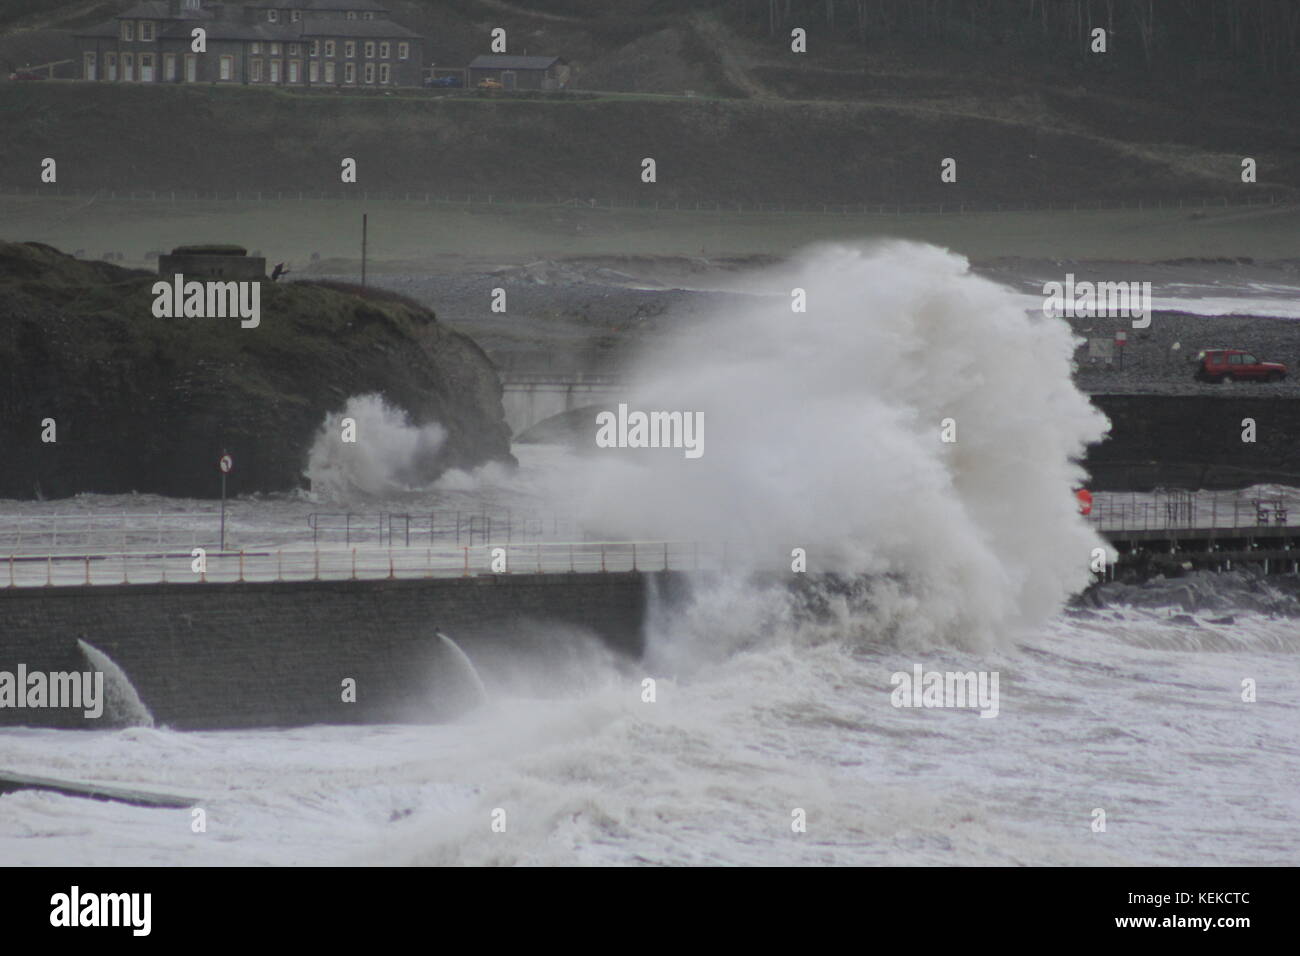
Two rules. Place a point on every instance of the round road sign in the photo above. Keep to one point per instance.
(226, 464)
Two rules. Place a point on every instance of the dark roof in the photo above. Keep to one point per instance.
(363, 6)
(108, 30)
(308, 28)
(236, 30)
(211, 249)
(502, 61)
(334, 27)
(153, 9)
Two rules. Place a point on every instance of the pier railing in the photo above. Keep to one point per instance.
(1190, 511)
(355, 563)
(128, 532)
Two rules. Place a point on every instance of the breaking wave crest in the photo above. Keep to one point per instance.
(389, 454)
(825, 433)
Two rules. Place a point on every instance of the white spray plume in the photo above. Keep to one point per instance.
(389, 454)
(825, 434)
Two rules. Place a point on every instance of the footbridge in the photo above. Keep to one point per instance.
(532, 398)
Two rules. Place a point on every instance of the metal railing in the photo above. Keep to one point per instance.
(125, 532)
(1191, 511)
(356, 563)
(430, 528)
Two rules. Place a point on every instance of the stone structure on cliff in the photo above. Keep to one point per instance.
(147, 404)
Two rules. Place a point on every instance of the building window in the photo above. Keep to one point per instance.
(384, 49)
(370, 49)
(329, 47)
(349, 72)
(295, 15)
(275, 71)
(128, 66)
(255, 71)
(255, 47)
(315, 47)
(146, 67)
(169, 67)
(146, 31)
(128, 30)
(313, 72)
(385, 73)
(352, 14)
(403, 51)
(88, 66)
(370, 73)
(227, 68)
(295, 71)
(191, 68)
(369, 16)
(273, 16)
(329, 71)
(293, 49)
(350, 48)
(275, 49)
(110, 66)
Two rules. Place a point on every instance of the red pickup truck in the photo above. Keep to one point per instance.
(1234, 365)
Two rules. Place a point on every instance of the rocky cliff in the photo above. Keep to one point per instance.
(147, 404)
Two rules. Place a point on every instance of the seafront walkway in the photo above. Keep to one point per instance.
(1216, 530)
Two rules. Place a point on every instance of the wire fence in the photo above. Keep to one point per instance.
(676, 205)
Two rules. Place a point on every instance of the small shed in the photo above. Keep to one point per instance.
(216, 261)
(520, 72)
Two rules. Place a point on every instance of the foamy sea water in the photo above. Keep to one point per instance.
(1127, 712)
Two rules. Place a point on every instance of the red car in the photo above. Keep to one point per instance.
(25, 75)
(1234, 365)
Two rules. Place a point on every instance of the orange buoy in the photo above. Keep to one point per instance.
(1085, 501)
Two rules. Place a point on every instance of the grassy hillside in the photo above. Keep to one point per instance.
(228, 138)
(885, 91)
